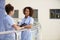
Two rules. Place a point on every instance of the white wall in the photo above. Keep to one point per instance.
(50, 27)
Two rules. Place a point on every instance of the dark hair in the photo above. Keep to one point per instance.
(9, 8)
(30, 10)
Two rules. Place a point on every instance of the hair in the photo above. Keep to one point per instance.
(30, 10)
(9, 8)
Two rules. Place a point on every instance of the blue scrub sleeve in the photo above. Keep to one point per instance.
(32, 21)
(11, 21)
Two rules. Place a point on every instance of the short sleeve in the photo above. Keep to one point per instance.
(31, 21)
(11, 21)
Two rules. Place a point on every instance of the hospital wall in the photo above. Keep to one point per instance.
(50, 28)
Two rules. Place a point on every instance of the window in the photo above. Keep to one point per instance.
(55, 13)
(16, 12)
(35, 14)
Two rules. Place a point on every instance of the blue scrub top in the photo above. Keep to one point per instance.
(27, 34)
(8, 22)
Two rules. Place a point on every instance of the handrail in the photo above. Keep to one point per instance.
(7, 32)
(16, 32)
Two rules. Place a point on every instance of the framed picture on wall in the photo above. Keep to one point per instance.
(55, 13)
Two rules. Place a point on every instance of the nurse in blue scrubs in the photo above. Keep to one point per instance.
(27, 23)
(9, 23)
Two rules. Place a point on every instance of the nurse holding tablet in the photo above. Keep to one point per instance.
(27, 23)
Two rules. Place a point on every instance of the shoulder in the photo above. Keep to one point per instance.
(31, 18)
(7, 17)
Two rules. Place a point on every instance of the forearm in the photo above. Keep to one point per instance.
(16, 27)
(28, 26)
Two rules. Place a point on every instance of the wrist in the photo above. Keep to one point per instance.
(23, 27)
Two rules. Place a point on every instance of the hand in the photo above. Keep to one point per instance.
(18, 28)
(22, 27)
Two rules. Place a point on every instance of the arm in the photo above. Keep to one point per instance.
(28, 26)
(12, 23)
(16, 27)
